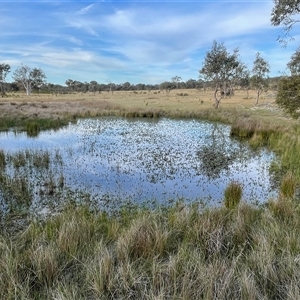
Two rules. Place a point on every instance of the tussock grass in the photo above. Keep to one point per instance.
(233, 195)
(288, 185)
(179, 252)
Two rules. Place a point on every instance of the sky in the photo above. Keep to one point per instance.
(136, 41)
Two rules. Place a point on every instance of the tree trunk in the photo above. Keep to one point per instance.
(217, 100)
(257, 97)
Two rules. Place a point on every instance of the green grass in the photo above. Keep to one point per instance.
(233, 195)
(179, 252)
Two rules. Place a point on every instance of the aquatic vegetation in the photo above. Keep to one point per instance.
(141, 160)
(233, 195)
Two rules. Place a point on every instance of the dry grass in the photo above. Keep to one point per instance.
(90, 104)
(176, 253)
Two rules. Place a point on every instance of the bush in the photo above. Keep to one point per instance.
(233, 195)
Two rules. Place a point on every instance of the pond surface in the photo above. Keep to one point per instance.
(139, 160)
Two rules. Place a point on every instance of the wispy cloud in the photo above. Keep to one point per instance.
(85, 10)
(135, 41)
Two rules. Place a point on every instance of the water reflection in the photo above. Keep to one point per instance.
(144, 159)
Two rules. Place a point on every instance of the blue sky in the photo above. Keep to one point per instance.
(135, 41)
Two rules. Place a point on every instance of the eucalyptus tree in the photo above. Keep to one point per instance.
(288, 95)
(260, 71)
(167, 86)
(93, 86)
(222, 69)
(285, 13)
(4, 70)
(176, 80)
(244, 81)
(294, 64)
(29, 78)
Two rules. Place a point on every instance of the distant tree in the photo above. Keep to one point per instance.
(4, 70)
(176, 80)
(283, 14)
(93, 86)
(260, 71)
(111, 86)
(70, 84)
(244, 81)
(294, 63)
(126, 86)
(29, 78)
(222, 69)
(167, 86)
(140, 86)
(191, 83)
(288, 95)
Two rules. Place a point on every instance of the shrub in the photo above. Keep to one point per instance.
(233, 195)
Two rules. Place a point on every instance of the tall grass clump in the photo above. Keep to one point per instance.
(288, 185)
(32, 128)
(177, 252)
(2, 160)
(233, 195)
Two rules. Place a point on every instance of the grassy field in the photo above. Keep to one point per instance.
(237, 251)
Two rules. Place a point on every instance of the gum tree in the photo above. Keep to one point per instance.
(288, 96)
(222, 69)
(260, 71)
(4, 70)
(294, 63)
(29, 78)
(176, 80)
(285, 13)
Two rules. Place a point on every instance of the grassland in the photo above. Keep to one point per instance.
(236, 251)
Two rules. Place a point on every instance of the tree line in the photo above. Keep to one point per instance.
(221, 70)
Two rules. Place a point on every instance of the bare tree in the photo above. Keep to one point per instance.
(4, 70)
(29, 78)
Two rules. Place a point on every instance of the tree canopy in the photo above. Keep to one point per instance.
(283, 13)
(29, 78)
(260, 71)
(222, 69)
(294, 63)
(288, 96)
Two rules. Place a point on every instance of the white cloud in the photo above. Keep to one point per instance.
(137, 42)
(85, 10)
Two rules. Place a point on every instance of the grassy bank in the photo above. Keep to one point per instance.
(179, 252)
(236, 251)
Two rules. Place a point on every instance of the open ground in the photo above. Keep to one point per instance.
(173, 103)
